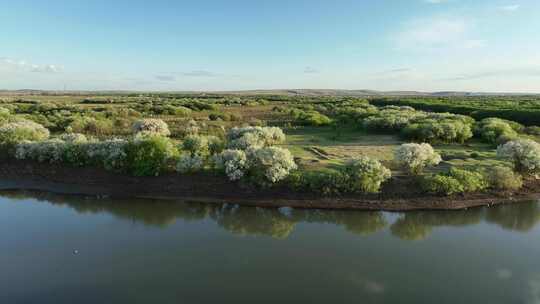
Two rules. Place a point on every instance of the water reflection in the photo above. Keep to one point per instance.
(519, 217)
(419, 225)
(253, 221)
(361, 223)
(280, 223)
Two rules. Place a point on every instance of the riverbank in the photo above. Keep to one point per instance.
(399, 194)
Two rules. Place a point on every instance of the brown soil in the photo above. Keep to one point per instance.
(398, 194)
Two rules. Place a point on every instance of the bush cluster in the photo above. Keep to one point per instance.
(496, 130)
(254, 137)
(416, 125)
(23, 130)
(149, 155)
(503, 178)
(454, 181)
(363, 174)
(76, 150)
(310, 118)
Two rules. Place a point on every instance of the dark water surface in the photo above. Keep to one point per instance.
(56, 249)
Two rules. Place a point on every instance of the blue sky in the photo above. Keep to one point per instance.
(427, 45)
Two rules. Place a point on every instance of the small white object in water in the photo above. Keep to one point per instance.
(75, 251)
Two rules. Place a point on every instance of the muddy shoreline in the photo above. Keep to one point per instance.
(400, 194)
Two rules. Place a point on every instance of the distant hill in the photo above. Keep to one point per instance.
(362, 93)
(290, 92)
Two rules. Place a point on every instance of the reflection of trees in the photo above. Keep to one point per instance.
(149, 212)
(254, 221)
(357, 222)
(418, 225)
(519, 217)
(272, 222)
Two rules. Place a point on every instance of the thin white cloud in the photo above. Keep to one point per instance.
(311, 70)
(22, 65)
(49, 68)
(435, 1)
(165, 78)
(200, 73)
(437, 33)
(509, 7)
(498, 73)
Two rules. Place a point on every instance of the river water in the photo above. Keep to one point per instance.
(66, 249)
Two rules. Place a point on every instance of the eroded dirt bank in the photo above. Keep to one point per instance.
(399, 194)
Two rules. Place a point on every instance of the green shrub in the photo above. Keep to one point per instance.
(471, 181)
(215, 145)
(322, 182)
(503, 178)
(441, 184)
(149, 155)
(182, 111)
(365, 174)
(433, 131)
(196, 145)
(310, 118)
(496, 130)
(91, 125)
(533, 130)
(454, 181)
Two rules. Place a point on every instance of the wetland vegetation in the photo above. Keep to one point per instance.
(324, 145)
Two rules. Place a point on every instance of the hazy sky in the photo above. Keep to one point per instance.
(428, 45)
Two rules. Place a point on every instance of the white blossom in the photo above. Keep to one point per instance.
(73, 137)
(524, 153)
(254, 137)
(51, 150)
(233, 162)
(189, 163)
(151, 125)
(415, 157)
(273, 163)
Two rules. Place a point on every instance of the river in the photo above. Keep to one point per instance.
(69, 249)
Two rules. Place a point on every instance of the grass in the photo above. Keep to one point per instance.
(351, 142)
(309, 143)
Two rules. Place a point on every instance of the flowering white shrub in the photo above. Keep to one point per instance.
(524, 154)
(270, 165)
(110, 153)
(254, 137)
(233, 162)
(415, 157)
(151, 125)
(366, 174)
(189, 163)
(73, 137)
(19, 131)
(51, 150)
